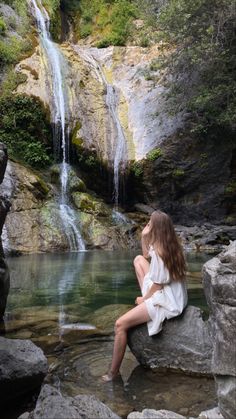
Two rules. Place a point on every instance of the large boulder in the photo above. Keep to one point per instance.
(52, 404)
(4, 207)
(183, 344)
(23, 367)
(219, 278)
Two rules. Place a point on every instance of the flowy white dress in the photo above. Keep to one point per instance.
(167, 302)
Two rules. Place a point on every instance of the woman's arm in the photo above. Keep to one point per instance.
(144, 241)
(155, 287)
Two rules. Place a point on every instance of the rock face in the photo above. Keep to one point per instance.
(4, 207)
(23, 367)
(35, 214)
(188, 187)
(51, 404)
(183, 344)
(219, 278)
(191, 179)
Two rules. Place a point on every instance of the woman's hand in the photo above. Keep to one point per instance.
(146, 229)
(139, 300)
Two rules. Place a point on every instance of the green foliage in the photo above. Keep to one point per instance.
(86, 30)
(11, 50)
(91, 161)
(111, 20)
(25, 130)
(137, 169)
(13, 47)
(144, 41)
(3, 26)
(178, 173)
(53, 9)
(11, 82)
(203, 32)
(231, 188)
(156, 64)
(154, 154)
(51, 6)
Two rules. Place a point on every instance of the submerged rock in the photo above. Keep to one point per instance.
(23, 367)
(183, 344)
(52, 404)
(219, 278)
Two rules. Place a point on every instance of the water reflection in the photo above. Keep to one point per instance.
(67, 304)
(91, 280)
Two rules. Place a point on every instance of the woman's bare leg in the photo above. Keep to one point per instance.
(132, 318)
(141, 266)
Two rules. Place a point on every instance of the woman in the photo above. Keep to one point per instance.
(162, 282)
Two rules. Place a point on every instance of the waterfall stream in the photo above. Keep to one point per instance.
(118, 140)
(56, 62)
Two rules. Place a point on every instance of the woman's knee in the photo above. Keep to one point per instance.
(119, 325)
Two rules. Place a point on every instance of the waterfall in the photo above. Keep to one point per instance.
(118, 142)
(55, 61)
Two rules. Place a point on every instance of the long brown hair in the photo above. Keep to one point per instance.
(163, 238)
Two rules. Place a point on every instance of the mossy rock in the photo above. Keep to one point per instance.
(75, 183)
(89, 204)
(84, 202)
(41, 187)
(55, 174)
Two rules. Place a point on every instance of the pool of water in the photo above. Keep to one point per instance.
(67, 304)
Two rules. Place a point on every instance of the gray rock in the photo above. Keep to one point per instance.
(23, 367)
(52, 404)
(146, 209)
(219, 279)
(155, 414)
(226, 392)
(211, 414)
(183, 344)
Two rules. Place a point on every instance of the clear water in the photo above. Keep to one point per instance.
(67, 304)
(90, 279)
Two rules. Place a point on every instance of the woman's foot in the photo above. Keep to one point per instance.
(110, 376)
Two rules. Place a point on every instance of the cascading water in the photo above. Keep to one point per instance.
(119, 143)
(55, 61)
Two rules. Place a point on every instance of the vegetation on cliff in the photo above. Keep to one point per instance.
(204, 60)
(25, 130)
(15, 37)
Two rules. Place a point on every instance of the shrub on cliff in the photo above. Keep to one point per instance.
(204, 60)
(109, 20)
(25, 130)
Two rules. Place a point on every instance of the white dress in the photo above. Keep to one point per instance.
(169, 301)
